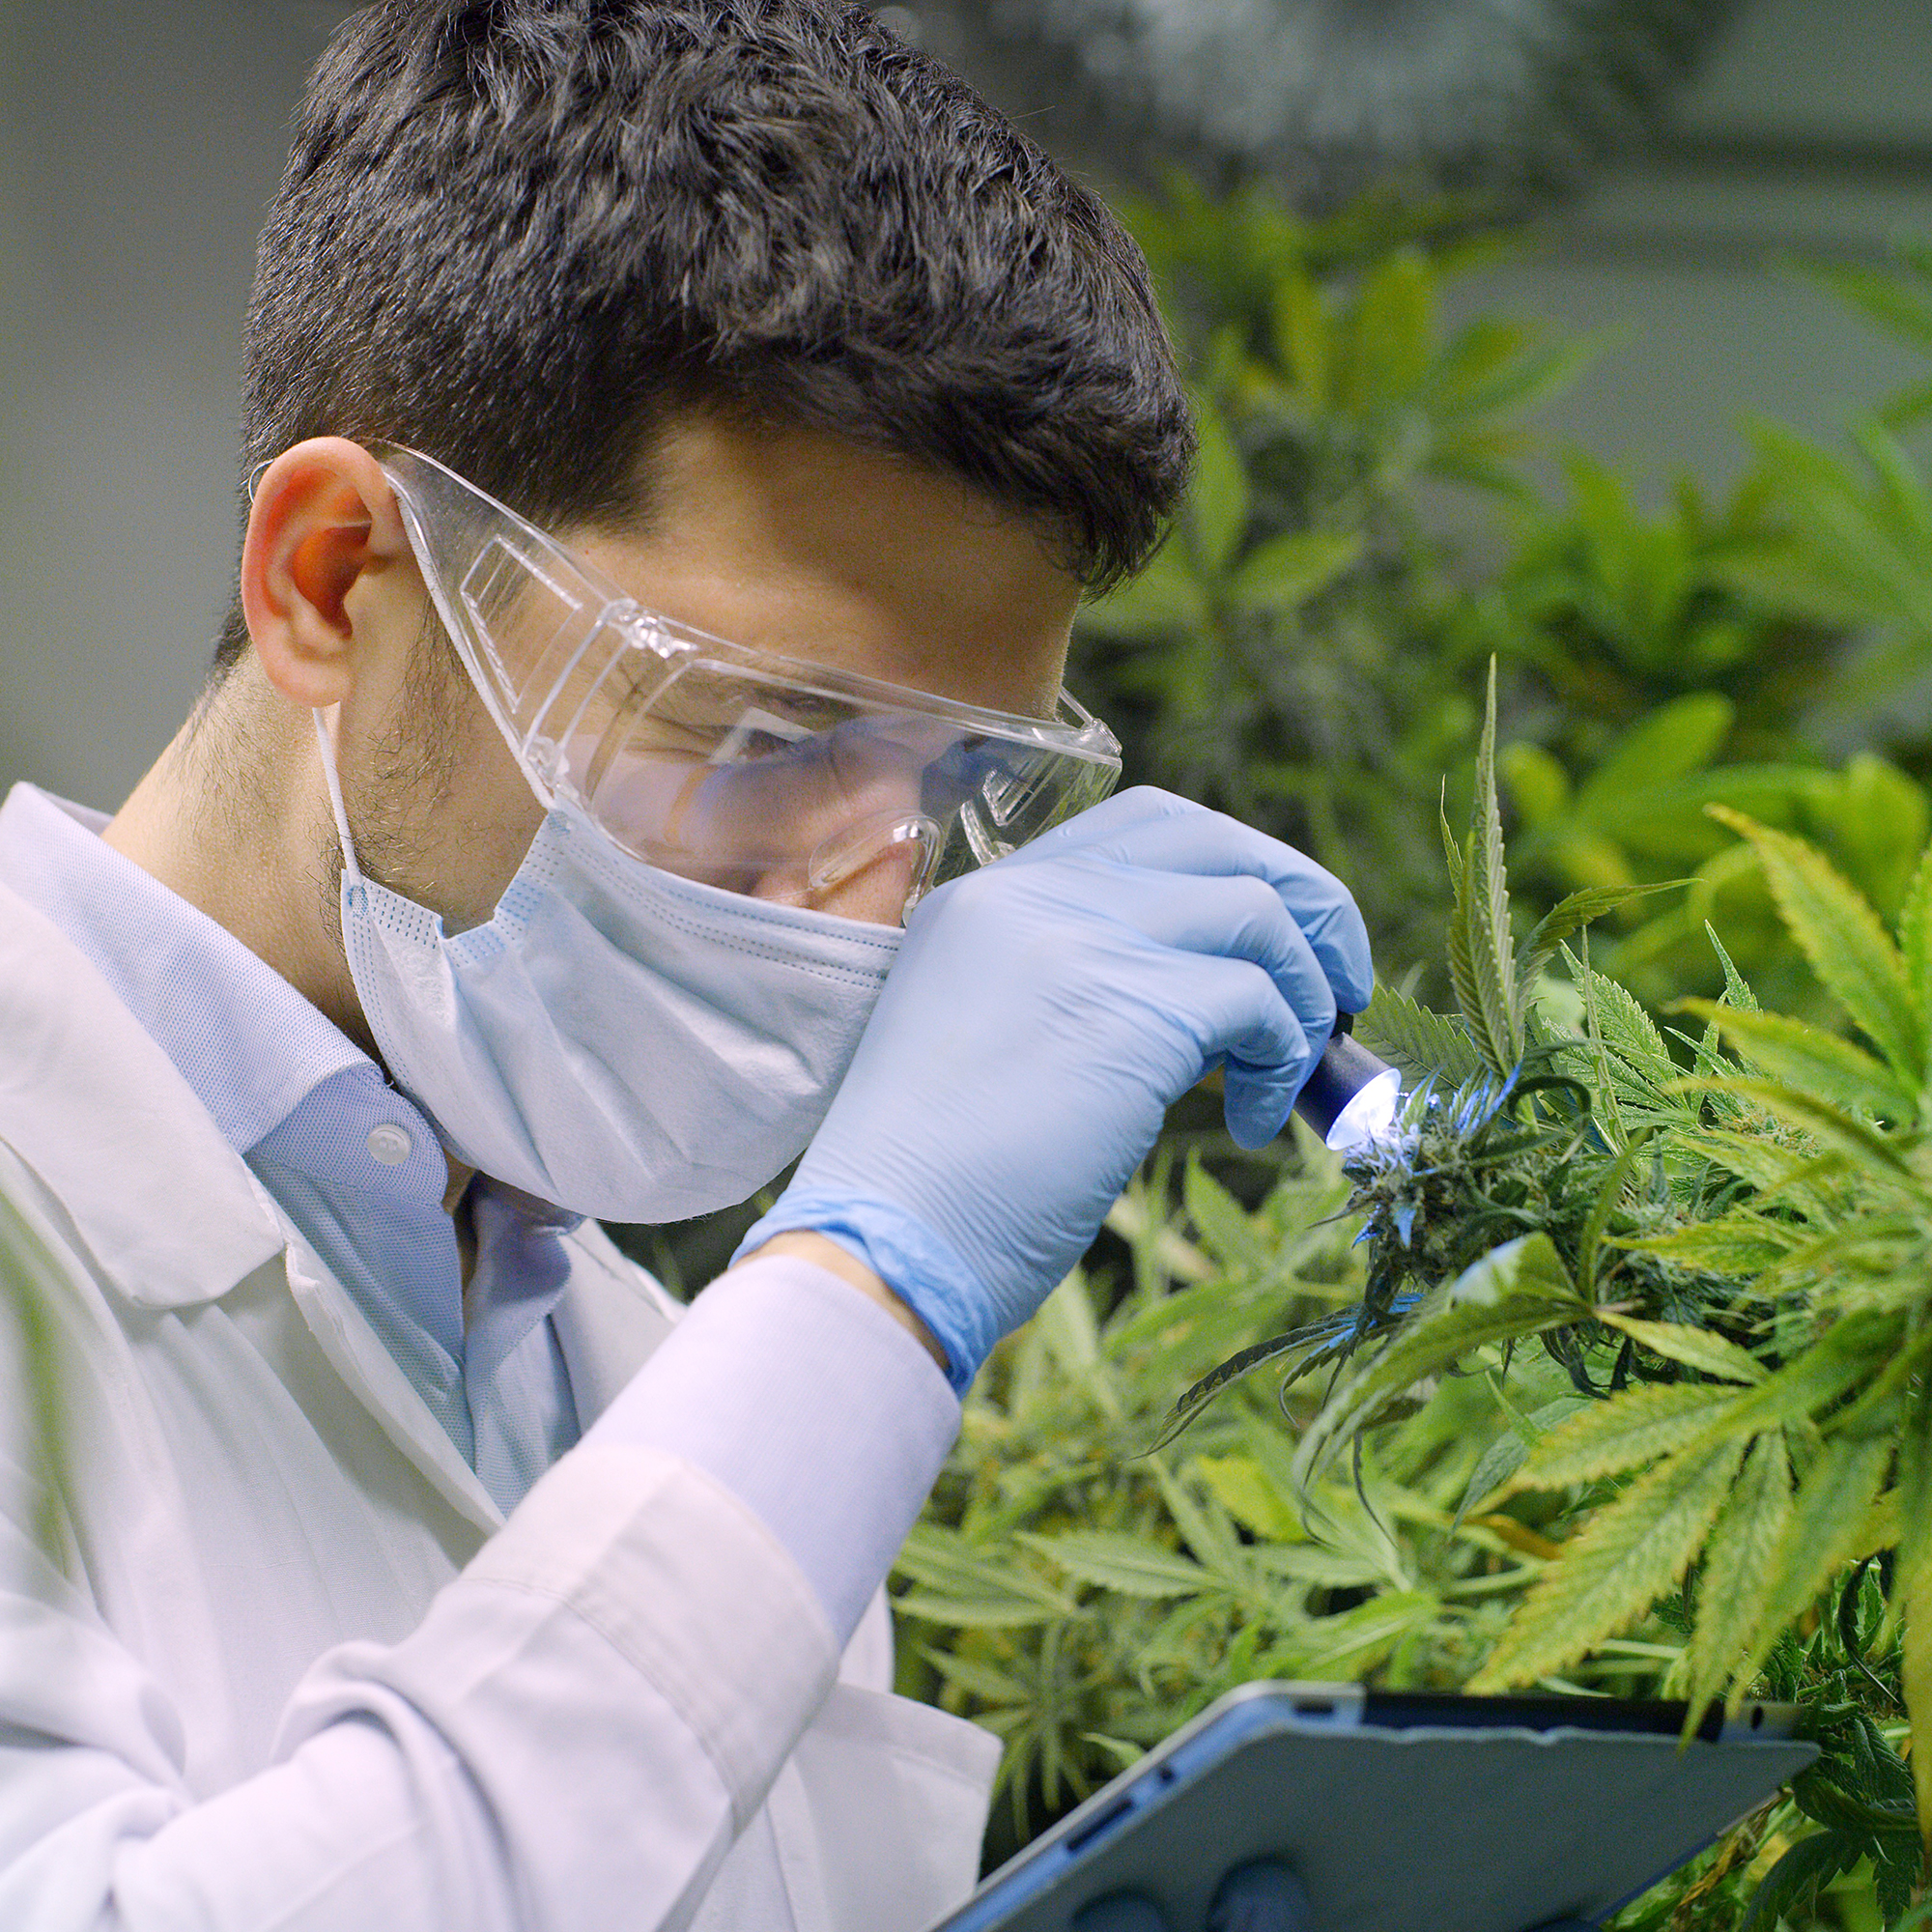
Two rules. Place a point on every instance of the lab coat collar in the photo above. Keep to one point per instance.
(101, 1116)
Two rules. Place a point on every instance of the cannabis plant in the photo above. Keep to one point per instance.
(1082, 1597)
(1727, 1253)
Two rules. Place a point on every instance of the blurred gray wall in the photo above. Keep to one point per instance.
(139, 142)
(1809, 134)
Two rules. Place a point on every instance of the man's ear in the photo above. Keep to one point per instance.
(322, 517)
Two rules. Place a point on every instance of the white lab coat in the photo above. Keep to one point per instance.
(292, 1670)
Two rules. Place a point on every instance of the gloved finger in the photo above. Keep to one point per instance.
(1140, 805)
(1265, 1048)
(1257, 1101)
(1262, 1896)
(1240, 918)
(1210, 842)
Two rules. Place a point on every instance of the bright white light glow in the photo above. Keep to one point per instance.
(1370, 1115)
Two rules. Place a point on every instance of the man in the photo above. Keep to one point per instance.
(679, 434)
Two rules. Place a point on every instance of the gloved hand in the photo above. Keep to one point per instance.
(1042, 1015)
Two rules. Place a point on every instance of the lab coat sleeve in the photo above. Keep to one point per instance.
(769, 1370)
(571, 1739)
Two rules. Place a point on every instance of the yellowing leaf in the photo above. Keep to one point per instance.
(1739, 1243)
(1247, 1495)
(1614, 1568)
(1695, 1348)
(1608, 1438)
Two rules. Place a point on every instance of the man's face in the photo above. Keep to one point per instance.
(795, 543)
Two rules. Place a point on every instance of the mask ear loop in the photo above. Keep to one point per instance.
(351, 871)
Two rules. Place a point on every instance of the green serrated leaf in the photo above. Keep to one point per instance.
(1851, 952)
(953, 1583)
(1438, 1334)
(1420, 1042)
(1700, 1348)
(1796, 1877)
(1345, 1646)
(1809, 1057)
(1826, 1526)
(1735, 1244)
(1736, 993)
(1481, 952)
(1847, 1354)
(1622, 1433)
(1636, 1064)
(985, 1682)
(1613, 1569)
(1504, 1457)
(1570, 915)
(1739, 1571)
(1914, 938)
(1066, 1325)
(992, 1612)
(1831, 1127)
(1222, 1223)
(1127, 1564)
(1608, 1198)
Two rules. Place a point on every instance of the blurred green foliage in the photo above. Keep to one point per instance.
(1305, 652)
(1299, 653)
(1367, 529)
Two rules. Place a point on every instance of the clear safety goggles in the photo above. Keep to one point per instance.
(760, 774)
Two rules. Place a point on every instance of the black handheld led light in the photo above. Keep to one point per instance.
(1352, 1096)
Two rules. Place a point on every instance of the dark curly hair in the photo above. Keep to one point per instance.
(522, 234)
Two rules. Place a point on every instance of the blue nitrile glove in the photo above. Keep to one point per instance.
(1042, 1015)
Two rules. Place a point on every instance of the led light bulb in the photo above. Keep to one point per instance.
(1369, 1116)
(1351, 1097)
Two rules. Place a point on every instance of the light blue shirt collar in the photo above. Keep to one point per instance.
(354, 1164)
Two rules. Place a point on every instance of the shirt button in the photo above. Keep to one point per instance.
(390, 1145)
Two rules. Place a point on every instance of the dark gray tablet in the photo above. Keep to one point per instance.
(1399, 1811)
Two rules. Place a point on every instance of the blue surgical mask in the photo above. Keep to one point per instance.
(615, 1039)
